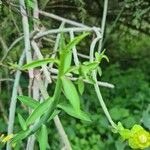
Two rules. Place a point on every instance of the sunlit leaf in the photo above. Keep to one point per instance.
(62, 43)
(73, 69)
(67, 61)
(99, 70)
(72, 112)
(71, 93)
(39, 63)
(100, 56)
(43, 138)
(75, 41)
(39, 111)
(81, 86)
(20, 136)
(28, 101)
(55, 113)
(22, 122)
(87, 68)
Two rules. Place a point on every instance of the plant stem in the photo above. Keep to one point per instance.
(100, 98)
(76, 59)
(12, 108)
(99, 95)
(39, 55)
(26, 32)
(55, 98)
(103, 24)
(74, 29)
(103, 84)
(58, 124)
(74, 23)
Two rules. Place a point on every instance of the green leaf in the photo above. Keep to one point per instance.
(62, 43)
(100, 56)
(28, 101)
(81, 86)
(67, 61)
(55, 113)
(87, 68)
(75, 41)
(99, 70)
(38, 63)
(74, 69)
(43, 138)
(67, 50)
(72, 112)
(90, 79)
(20, 136)
(39, 111)
(22, 122)
(71, 93)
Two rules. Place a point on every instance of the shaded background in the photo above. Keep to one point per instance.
(127, 44)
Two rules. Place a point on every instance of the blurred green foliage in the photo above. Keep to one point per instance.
(128, 70)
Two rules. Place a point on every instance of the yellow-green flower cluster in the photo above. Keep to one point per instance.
(5, 139)
(138, 137)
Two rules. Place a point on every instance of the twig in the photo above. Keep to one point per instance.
(31, 139)
(36, 96)
(6, 79)
(3, 44)
(11, 46)
(74, 23)
(103, 24)
(25, 25)
(74, 29)
(55, 50)
(13, 19)
(97, 90)
(14, 43)
(39, 55)
(35, 14)
(62, 133)
(83, 56)
(76, 60)
(13, 99)
(58, 124)
(113, 25)
(104, 84)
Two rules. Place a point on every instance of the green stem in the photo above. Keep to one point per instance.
(103, 105)
(55, 99)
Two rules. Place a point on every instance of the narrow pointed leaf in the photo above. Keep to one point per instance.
(39, 63)
(20, 136)
(71, 93)
(89, 67)
(74, 69)
(22, 122)
(72, 112)
(28, 101)
(81, 86)
(39, 111)
(67, 61)
(55, 113)
(75, 41)
(62, 43)
(43, 138)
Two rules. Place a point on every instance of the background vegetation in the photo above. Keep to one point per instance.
(127, 45)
